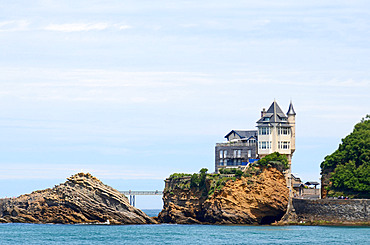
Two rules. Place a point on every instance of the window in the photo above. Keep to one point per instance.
(284, 131)
(263, 130)
(264, 145)
(249, 153)
(237, 153)
(284, 145)
(252, 141)
(225, 154)
(221, 154)
(221, 162)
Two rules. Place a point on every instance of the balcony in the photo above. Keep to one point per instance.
(235, 143)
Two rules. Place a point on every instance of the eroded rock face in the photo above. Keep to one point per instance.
(81, 199)
(258, 199)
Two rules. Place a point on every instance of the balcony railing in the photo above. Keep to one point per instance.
(235, 144)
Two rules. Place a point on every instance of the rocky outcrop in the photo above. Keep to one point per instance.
(325, 181)
(81, 199)
(257, 199)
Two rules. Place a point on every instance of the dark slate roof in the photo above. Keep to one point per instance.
(274, 115)
(243, 133)
(312, 183)
(276, 108)
(295, 177)
(291, 109)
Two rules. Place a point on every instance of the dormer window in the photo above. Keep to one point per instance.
(266, 119)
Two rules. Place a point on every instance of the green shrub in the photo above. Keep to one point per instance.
(228, 170)
(178, 175)
(194, 181)
(276, 160)
(238, 173)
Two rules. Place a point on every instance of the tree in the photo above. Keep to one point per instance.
(349, 166)
(203, 171)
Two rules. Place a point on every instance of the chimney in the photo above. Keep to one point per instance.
(263, 112)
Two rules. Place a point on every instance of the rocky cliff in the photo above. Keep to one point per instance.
(81, 199)
(256, 198)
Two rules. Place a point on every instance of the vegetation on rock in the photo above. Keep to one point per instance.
(275, 160)
(178, 175)
(348, 168)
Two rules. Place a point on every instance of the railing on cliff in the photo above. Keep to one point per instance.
(142, 193)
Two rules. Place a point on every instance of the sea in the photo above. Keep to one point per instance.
(180, 234)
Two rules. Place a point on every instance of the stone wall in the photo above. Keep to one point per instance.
(332, 210)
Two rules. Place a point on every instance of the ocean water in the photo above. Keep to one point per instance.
(151, 212)
(180, 234)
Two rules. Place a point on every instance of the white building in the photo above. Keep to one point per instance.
(276, 133)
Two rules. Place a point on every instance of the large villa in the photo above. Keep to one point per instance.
(275, 133)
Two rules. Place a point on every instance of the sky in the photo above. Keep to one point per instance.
(132, 91)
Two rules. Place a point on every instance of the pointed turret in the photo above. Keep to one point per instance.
(291, 109)
(291, 119)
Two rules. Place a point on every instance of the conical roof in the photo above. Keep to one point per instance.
(291, 109)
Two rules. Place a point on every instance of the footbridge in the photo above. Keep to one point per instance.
(132, 194)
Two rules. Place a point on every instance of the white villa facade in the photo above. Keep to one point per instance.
(276, 131)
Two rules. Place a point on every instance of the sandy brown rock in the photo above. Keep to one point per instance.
(81, 199)
(259, 199)
(262, 199)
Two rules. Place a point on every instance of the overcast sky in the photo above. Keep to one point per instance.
(132, 91)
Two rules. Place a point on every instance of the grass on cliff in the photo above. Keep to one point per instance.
(207, 183)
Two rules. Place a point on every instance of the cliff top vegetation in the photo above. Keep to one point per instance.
(211, 183)
(275, 160)
(349, 166)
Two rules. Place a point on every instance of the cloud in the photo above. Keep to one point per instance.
(123, 27)
(55, 171)
(77, 27)
(98, 85)
(13, 25)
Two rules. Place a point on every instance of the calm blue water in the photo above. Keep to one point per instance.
(180, 234)
(151, 212)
